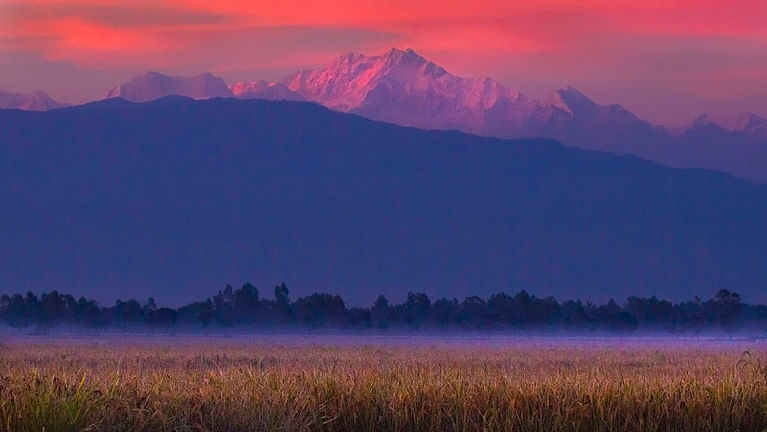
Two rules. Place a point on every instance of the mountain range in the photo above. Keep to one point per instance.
(404, 88)
(176, 197)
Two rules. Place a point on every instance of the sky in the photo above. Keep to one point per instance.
(665, 60)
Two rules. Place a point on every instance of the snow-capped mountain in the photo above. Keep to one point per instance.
(153, 85)
(404, 88)
(36, 101)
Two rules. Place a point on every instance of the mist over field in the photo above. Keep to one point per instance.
(243, 311)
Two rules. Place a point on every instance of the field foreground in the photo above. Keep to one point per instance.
(243, 385)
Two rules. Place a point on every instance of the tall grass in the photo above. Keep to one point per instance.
(145, 387)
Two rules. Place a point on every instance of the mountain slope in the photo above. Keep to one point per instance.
(576, 120)
(176, 197)
(153, 85)
(37, 101)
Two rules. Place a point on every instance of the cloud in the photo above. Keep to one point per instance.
(490, 26)
(117, 15)
(64, 80)
(278, 47)
(107, 33)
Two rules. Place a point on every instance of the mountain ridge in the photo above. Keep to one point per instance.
(177, 195)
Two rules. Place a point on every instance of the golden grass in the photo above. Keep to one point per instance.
(252, 387)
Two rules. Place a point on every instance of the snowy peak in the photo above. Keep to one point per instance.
(351, 62)
(154, 85)
(408, 62)
(400, 86)
(557, 101)
(35, 101)
(571, 100)
(408, 58)
(345, 83)
(396, 55)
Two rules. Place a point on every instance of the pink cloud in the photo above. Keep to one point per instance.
(613, 49)
(95, 27)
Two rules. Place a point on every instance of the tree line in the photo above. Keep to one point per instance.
(244, 307)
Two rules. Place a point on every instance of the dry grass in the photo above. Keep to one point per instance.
(251, 387)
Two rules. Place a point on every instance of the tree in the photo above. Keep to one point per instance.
(728, 309)
(622, 322)
(245, 303)
(380, 313)
(444, 312)
(574, 314)
(5, 303)
(149, 307)
(17, 311)
(358, 318)
(500, 310)
(87, 312)
(416, 309)
(162, 317)
(52, 308)
(130, 312)
(282, 311)
(523, 310)
(320, 309)
(205, 313)
(31, 308)
(472, 312)
(281, 294)
(223, 306)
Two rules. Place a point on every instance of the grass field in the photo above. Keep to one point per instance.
(273, 385)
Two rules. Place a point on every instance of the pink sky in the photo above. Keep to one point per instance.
(665, 60)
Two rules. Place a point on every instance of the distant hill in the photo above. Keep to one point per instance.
(36, 101)
(178, 197)
(745, 122)
(153, 85)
